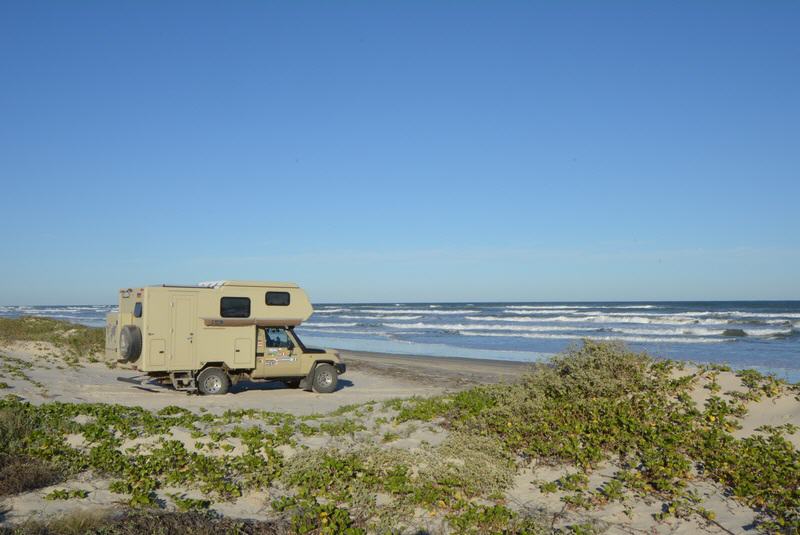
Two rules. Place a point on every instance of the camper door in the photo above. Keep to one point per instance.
(183, 322)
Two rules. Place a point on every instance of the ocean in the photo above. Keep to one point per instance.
(744, 334)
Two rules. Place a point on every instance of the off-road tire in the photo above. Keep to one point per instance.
(292, 383)
(213, 382)
(325, 378)
(130, 343)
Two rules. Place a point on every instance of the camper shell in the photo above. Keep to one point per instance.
(206, 337)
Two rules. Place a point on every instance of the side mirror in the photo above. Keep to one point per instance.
(290, 346)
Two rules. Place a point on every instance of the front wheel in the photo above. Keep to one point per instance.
(213, 381)
(325, 379)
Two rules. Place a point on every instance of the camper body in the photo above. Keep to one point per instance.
(203, 338)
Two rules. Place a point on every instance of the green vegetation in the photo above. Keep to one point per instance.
(189, 504)
(76, 340)
(14, 368)
(759, 385)
(601, 402)
(438, 479)
(62, 494)
(597, 405)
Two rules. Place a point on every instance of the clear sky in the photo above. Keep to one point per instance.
(406, 151)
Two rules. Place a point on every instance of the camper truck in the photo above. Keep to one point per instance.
(204, 338)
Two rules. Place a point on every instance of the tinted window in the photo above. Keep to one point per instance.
(137, 310)
(278, 298)
(234, 307)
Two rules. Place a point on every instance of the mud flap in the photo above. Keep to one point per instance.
(308, 380)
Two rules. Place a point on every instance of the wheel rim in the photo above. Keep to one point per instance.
(212, 384)
(325, 378)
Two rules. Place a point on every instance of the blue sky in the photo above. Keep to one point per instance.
(407, 151)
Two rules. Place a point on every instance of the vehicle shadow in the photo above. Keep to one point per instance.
(155, 386)
(244, 386)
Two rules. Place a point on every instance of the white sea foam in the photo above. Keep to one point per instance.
(418, 311)
(699, 331)
(379, 317)
(546, 312)
(577, 307)
(606, 318)
(721, 314)
(705, 317)
(674, 331)
(547, 307)
(327, 310)
(312, 324)
(521, 319)
(482, 327)
(341, 331)
(635, 339)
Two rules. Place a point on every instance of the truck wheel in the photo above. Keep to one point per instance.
(130, 342)
(325, 378)
(213, 381)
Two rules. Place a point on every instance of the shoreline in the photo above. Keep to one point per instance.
(447, 372)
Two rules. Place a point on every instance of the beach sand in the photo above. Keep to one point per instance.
(369, 377)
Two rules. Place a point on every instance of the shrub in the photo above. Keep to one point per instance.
(19, 472)
(150, 522)
(23, 474)
(601, 400)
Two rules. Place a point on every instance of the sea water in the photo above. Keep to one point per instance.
(746, 334)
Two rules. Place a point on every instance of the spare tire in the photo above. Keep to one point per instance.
(130, 342)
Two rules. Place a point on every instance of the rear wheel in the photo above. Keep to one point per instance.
(325, 378)
(213, 381)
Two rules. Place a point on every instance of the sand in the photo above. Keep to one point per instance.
(370, 377)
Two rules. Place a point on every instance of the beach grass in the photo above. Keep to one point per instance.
(77, 340)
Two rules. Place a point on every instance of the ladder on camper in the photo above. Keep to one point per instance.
(183, 381)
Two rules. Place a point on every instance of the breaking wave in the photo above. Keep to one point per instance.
(379, 317)
(426, 311)
(635, 339)
(311, 324)
(468, 327)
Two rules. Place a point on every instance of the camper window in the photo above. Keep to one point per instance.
(234, 307)
(137, 310)
(278, 299)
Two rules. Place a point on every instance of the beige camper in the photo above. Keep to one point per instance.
(205, 338)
